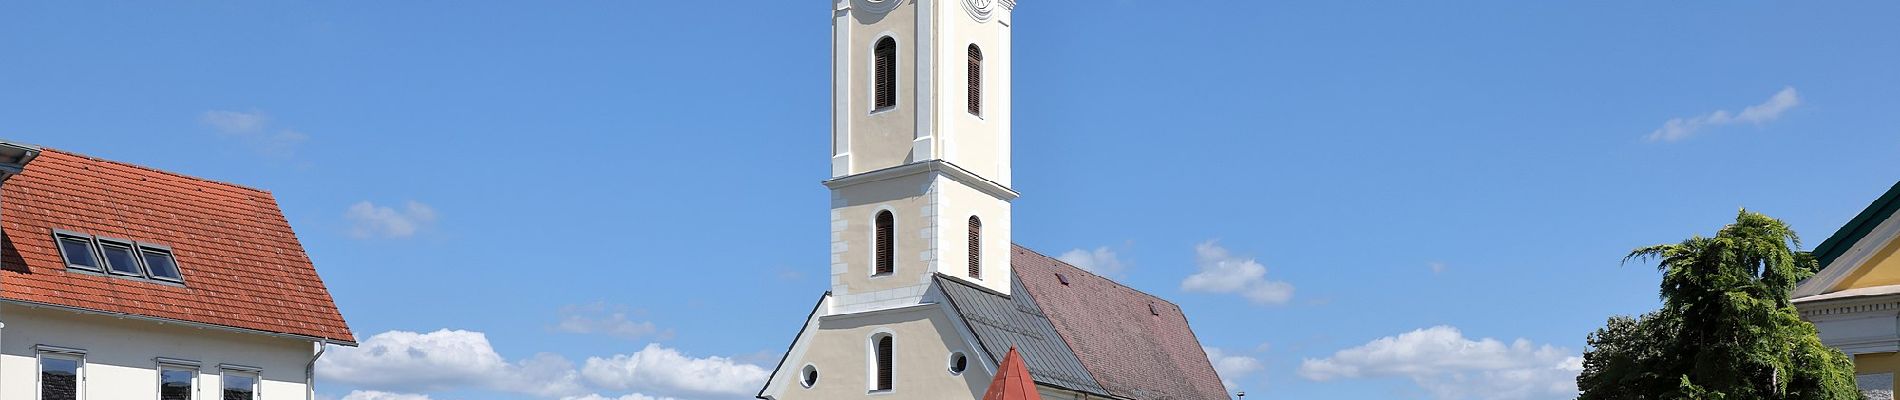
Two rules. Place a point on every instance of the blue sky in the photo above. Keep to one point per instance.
(554, 183)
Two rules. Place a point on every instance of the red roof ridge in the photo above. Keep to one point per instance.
(127, 164)
(1059, 261)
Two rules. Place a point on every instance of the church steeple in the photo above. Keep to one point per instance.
(920, 147)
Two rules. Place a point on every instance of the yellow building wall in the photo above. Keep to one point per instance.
(1883, 270)
(1878, 363)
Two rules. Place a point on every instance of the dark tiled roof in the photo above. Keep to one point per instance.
(1001, 323)
(1859, 227)
(1127, 348)
(243, 266)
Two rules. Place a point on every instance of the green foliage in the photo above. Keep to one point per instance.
(1726, 330)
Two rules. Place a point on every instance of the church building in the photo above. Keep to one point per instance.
(928, 292)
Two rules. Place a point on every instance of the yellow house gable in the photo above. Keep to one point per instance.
(1880, 270)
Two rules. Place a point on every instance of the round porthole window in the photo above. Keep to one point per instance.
(809, 376)
(958, 363)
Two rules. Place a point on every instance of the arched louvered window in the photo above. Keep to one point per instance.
(976, 247)
(884, 234)
(976, 80)
(884, 75)
(883, 358)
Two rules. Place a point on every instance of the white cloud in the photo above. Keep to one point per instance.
(1449, 366)
(1221, 272)
(1770, 110)
(1101, 261)
(600, 318)
(1231, 366)
(235, 122)
(664, 370)
(634, 396)
(253, 128)
(391, 365)
(443, 360)
(370, 220)
(376, 395)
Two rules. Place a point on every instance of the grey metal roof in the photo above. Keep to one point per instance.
(1001, 322)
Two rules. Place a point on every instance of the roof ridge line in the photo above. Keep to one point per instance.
(161, 171)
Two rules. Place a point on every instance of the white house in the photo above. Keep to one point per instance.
(121, 282)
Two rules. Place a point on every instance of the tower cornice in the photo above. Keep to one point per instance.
(946, 168)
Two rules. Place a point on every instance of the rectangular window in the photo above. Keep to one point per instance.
(78, 251)
(175, 382)
(240, 385)
(160, 262)
(120, 259)
(60, 375)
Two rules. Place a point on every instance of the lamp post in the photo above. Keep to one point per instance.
(1242, 394)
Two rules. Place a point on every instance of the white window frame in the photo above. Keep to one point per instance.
(179, 365)
(42, 352)
(256, 374)
(871, 362)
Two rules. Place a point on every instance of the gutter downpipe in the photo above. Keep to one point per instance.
(310, 372)
(13, 160)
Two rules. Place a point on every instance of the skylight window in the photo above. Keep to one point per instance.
(159, 262)
(119, 258)
(78, 251)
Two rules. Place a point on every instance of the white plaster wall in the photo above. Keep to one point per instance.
(959, 202)
(853, 214)
(120, 353)
(922, 340)
(874, 139)
(979, 144)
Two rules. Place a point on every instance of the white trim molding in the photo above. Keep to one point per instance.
(929, 166)
(1857, 256)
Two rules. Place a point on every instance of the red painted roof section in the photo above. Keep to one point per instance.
(243, 266)
(1012, 381)
(1131, 351)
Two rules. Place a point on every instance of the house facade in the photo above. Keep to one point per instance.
(120, 282)
(1854, 301)
(928, 293)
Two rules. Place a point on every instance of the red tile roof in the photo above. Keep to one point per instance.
(243, 266)
(1130, 350)
(1012, 381)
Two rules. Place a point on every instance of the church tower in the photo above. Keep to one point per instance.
(919, 148)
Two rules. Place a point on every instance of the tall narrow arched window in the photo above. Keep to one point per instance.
(883, 359)
(976, 80)
(884, 74)
(976, 247)
(884, 241)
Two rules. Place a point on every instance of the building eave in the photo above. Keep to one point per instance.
(194, 324)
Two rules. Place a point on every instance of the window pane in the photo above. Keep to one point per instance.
(59, 378)
(240, 386)
(120, 260)
(174, 384)
(161, 264)
(78, 251)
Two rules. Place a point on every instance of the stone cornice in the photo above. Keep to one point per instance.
(929, 166)
(1847, 306)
